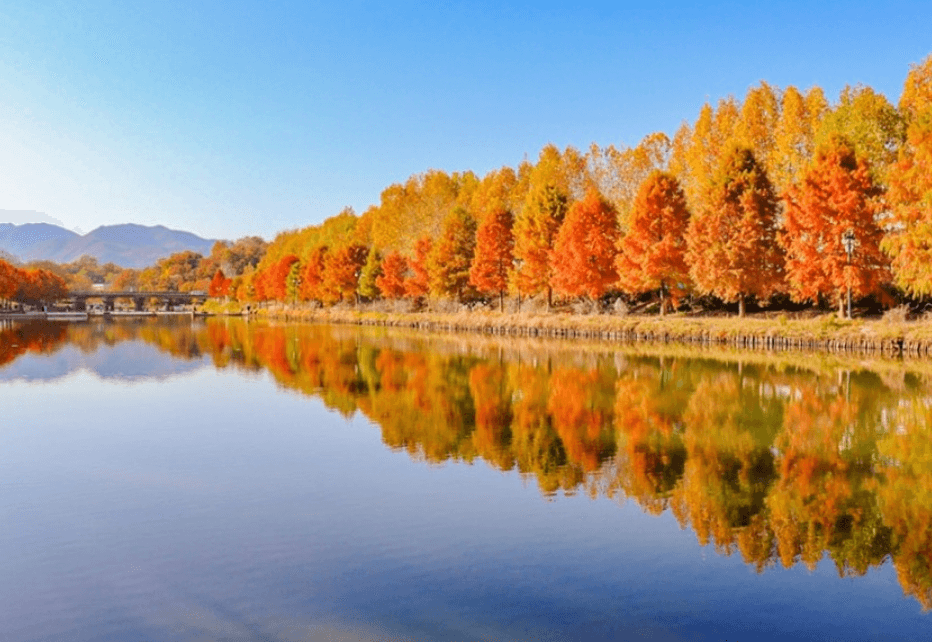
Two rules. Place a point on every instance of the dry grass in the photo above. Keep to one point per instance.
(894, 332)
(587, 352)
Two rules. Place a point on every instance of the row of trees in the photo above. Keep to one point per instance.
(82, 274)
(29, 286)
(750, 200)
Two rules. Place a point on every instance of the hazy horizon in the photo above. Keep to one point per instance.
(229, 121)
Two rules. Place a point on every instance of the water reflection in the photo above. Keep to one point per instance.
(783, 460)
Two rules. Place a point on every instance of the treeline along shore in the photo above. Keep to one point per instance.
(892, 335)
(781, 201)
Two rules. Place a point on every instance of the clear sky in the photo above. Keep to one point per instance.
(233, 118)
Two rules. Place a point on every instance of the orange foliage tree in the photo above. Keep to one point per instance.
(584, 251)
(732, 246)
(275, 280)
(417, 284)
(341, 272)
(653, 251)
(391, 282)
(836, 195)
(494, 246)
(909, 242)
(36, 287)
(219, 285)
(312, 275)
(8, 279)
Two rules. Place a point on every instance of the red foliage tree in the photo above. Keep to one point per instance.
(653, 251)
(418, 283)
(584, 252)
(391, 283)
(312, 275)
(836, 195)
(8, 280)
(219, 285)
(493, 259)
(276, 285)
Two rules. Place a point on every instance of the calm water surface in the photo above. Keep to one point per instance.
(233, 481)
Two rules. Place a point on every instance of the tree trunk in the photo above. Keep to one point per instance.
(501, 301)
(663, 303)
(841, 305)
(741, 306)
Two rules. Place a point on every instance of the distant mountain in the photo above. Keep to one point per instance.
(128, 245)
(35, 240)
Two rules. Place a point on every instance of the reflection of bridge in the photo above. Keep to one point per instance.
(168, 299)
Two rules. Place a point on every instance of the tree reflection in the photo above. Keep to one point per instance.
(783, 465)
(19, 339)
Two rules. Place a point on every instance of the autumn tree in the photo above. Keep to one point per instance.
(499, 189)
(391, 280)
(276, 284)
(867, 120)
(550, 185)
(909, 242)
(293, 282)
(369, 275)
(8, 279)
(234, 258)
(219, 285)
(493, 257)
(534, 234)
(417, 284)
(916, 98)
(757, 122)
(312, 275)
(584, 250)
(342, 268)
(38, 286)
(244, 286)
(417, 208)
(836, 195)
(451, 257)
(179, 272)
(127, 279)
(794, 135)
(652, 254)
(619, 173)
(697, 151)
(732, 246)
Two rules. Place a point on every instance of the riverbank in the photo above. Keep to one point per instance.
(781, 332)
(72, 316)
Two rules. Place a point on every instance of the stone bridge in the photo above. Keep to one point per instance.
(79, 299)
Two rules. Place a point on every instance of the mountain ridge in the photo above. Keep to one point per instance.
(128, 245)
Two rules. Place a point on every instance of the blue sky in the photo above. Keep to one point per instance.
(235, 118)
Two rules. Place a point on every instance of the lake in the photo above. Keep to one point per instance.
(225, 480)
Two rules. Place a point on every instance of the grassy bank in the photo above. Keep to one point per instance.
(826, 332)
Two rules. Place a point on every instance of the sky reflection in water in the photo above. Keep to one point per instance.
(162, 481)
